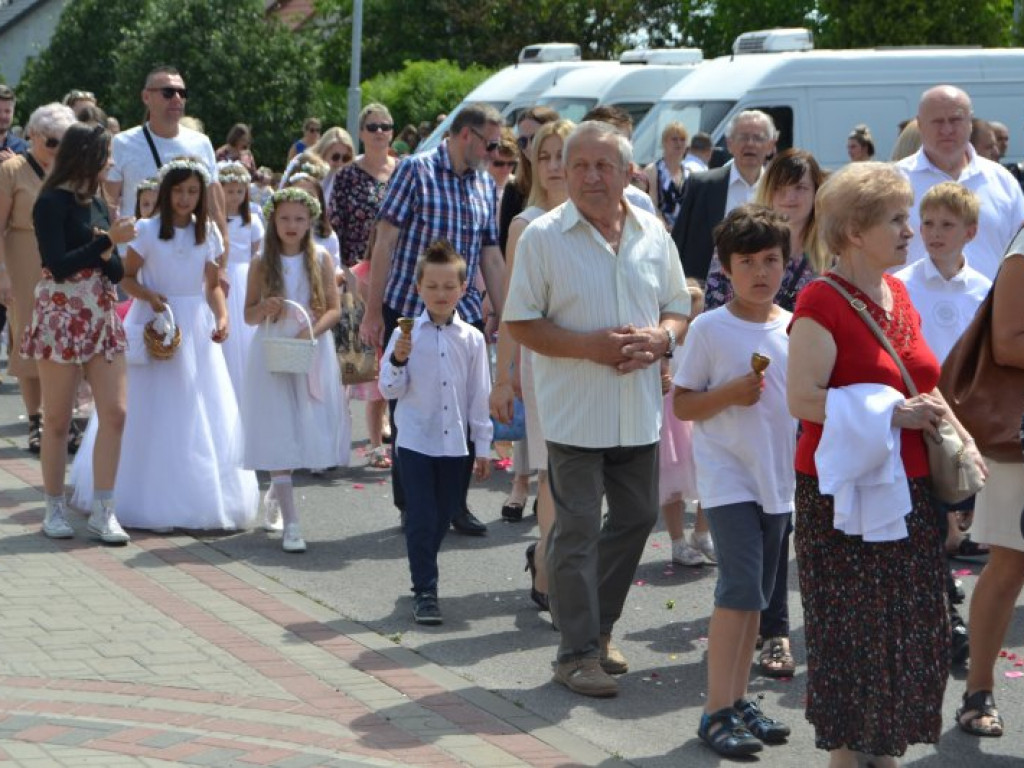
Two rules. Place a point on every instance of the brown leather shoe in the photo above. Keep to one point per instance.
(612, 660)
(585, 676)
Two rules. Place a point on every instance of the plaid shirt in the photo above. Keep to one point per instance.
(428, 202)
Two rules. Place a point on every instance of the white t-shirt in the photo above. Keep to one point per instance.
(1002, 206)
(946, 306)
(133, 159)
(742, 453)
(242, 237)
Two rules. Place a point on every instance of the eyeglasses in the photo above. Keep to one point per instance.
(52, 143)
(490, 146)
(337, 157)
(504, 164)
(523, 142)
(382, 127)
(169, 93)
(750, 138)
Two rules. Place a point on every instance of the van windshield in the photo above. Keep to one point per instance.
(695, 115)
(569, 107)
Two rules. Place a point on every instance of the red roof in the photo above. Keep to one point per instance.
(292, 13)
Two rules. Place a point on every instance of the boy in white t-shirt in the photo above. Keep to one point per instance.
(744, 442)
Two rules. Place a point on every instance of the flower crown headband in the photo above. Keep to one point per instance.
(147, 184)
(186, 164)
(233, 172)
(292, 195)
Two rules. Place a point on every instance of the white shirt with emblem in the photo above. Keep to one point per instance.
(946, 306)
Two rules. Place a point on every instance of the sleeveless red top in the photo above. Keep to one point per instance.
(860, 359)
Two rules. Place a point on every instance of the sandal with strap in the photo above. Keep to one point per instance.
(35, 433)
(731, 738)
(379, 458)
(758, 723)
(775, 659)
(976, 706)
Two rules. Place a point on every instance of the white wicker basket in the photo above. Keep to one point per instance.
(290, 355)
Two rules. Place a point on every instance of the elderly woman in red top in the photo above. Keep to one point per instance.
(875, 610)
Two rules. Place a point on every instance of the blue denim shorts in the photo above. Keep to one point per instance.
(747, 544)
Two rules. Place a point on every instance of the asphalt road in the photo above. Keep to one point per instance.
(493, 636)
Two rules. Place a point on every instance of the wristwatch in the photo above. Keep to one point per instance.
(671, 341)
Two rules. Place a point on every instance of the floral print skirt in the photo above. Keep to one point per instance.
(877, 627)
(74, 320)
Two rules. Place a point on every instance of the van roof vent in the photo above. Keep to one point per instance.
(662, 56)
(543, 52)
(773, 41)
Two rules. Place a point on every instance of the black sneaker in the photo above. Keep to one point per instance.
(758, 723)
(425, 609)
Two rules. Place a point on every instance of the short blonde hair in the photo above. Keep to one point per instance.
(955, 198)
(675, 128)
(333, 135)
(856, 198)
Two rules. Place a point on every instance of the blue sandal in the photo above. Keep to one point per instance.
(731, 738)
(758, 723)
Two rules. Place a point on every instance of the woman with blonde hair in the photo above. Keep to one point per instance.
(514, 375)
(665, 177)
(872, 574)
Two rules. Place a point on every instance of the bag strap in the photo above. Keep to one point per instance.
(862, 309)
(35, 166)
(152, 146)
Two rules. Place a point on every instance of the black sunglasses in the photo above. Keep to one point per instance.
(52, 143)
(489, 145)
(504, 163)
(169, 93)
(382, 127)
(338, 157)
(523, 142)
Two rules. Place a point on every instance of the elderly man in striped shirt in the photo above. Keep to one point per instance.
(598, 293)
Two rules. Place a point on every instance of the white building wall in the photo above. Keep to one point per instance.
(28, 37)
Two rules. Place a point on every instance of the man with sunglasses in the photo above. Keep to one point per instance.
(139, 152)
(445, 194)
(10, 145)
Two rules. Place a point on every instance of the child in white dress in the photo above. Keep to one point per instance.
(181, 457)
(245, 235)
(292, 420)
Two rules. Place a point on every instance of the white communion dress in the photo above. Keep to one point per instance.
(181, 453)
(295, 421)
(236, 347)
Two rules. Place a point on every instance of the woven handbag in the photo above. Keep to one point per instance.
(953, 479)
(357, 361)
(290, 355)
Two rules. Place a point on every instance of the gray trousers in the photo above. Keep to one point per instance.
(591, 563)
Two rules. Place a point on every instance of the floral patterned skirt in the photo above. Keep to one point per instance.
(74, 320)
(877, 627)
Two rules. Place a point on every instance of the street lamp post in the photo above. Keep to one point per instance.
(354, 94)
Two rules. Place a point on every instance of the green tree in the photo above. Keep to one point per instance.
(713, 25)
(239, 67)
(915, 22)
(78, 55)
(422, 89)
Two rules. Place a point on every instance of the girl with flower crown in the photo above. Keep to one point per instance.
(308, 174)
(245, 235)
(292, 420)
(181, 460)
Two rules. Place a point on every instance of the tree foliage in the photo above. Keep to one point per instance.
(78, 55)
(238, 66)
(422, 89)
(847, 24)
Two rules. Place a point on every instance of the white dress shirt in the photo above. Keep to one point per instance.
(567, 272)
(1002, 206)
(946, 306)
(740, 192)
(693, 164)
(442, 390)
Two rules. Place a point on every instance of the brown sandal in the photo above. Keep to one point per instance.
(976, 706)
(775, 659)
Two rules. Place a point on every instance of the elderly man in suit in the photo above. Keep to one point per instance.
(708, 197)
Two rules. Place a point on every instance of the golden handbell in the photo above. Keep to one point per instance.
(760, 363)
(405, 323)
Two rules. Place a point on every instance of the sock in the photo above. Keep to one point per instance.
(52, 502)
(282, 485)
(270, 495)
(104, 498)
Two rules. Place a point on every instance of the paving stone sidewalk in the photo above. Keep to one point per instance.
(167, 653)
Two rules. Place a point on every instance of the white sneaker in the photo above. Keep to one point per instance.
(55, 525)
(271, 514)
(103, 523)
(684, 554)
(702, 543)
(293, 541)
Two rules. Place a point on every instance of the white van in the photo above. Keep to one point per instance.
(515, 88)
(816, 97)
(634, 86)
